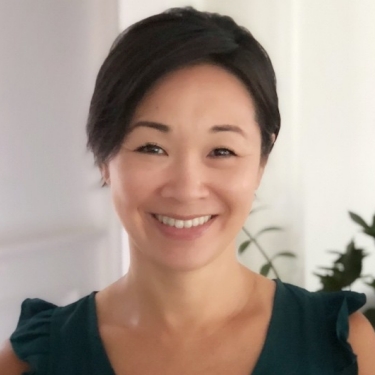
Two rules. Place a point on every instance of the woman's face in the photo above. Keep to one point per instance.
(193, 155)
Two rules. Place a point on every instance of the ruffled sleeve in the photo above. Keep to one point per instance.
(31, 339)
(344, 357)
(308, 333)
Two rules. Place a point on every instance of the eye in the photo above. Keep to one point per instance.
(222, 152)
(150, 148)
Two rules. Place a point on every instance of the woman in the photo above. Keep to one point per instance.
(183, 118)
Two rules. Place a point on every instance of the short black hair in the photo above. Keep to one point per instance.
(160, 44)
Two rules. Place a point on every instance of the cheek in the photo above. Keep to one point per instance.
(242, 197)
(240, 188)
(131, 184)
(128, 193)
(243, 179)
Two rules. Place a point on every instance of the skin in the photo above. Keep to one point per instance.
(185, 178)
(182, 289)
(189, 295)
(362, 340)
(190, 173)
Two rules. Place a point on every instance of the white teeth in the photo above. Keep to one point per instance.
(196, 222)
(188, 224)
(183, 223)
(169, 222)
(179, 224)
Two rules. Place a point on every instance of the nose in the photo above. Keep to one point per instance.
(186, 180)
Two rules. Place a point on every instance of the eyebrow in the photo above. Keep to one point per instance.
(151, 124)
(228, 128)
(167, 129)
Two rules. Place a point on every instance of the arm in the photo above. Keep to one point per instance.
(9, 362)
(362, 340)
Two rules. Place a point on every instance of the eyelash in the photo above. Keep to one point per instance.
(146, 149)
(227, 150)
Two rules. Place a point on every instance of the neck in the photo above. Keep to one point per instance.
(174, 301)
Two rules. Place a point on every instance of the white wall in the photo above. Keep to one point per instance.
(337, 117)
(49, 58)
(58, 236)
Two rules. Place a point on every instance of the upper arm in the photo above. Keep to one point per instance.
(10, 364)
(362, 340)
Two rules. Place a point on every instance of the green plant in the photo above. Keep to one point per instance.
(347, 267)
(254, 240)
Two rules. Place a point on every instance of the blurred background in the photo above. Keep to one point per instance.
(59, 236)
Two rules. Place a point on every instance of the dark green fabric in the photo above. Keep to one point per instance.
(307, 335)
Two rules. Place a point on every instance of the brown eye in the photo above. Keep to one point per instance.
(150, 148)
(221, 153)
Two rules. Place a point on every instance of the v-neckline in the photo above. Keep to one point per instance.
(103, 365)
(261, 364)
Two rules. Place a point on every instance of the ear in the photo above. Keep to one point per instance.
(104, 170)
(273, 138)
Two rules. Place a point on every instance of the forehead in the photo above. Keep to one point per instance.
(195, 92)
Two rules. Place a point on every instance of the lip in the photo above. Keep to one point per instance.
(185, 234)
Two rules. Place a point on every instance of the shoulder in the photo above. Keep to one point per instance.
(10, 364)
(324, 320)
(42, 326)
(30, 340)
(327, 309)
(329, 303)
(362, 340)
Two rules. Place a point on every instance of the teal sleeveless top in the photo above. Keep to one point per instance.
(307, 335)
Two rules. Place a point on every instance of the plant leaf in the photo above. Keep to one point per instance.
(269, 229)
(265, 269)
(243, 246)
(356, 218)
(287, 254)
(369, 231)
(346, 269)
(284, 254)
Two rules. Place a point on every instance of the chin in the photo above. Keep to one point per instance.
(183, 260)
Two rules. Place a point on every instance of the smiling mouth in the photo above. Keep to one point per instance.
(178, 223)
